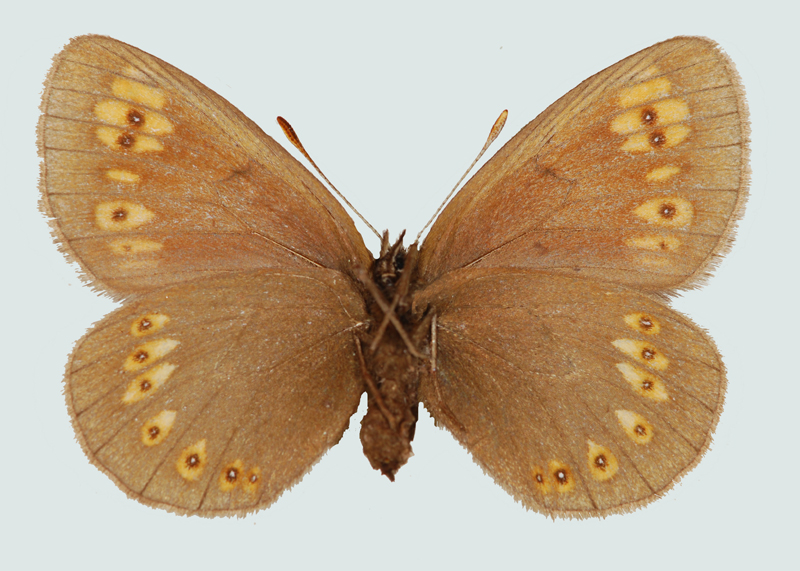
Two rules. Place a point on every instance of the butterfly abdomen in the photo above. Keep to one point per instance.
(388, 427)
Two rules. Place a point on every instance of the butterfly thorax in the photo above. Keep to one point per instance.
(391, 369)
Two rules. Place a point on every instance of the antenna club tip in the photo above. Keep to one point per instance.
(496, 128)
(284, 124)
(288, 130)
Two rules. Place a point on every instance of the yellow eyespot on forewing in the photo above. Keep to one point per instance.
(644, 92)
(147, 383)
(645, 384)
(155, 430)
(540, 480)
(670, 211)
(252, 480)
(643, 323)
(670, 111)
(659, 139)
(135, 246)
(148, 353)
(138, 93)
(231, 475)
(192, 461)
(654, 243)
(637, 143)
(642, 351)
(148, 324)
(635, 426)
(657, 114)
(662, 173)
(603, 464)
(562, 476)
(120, 140)
(675, 135)
(122, 114)
(628, 122)
(120, 215)
(120, 175)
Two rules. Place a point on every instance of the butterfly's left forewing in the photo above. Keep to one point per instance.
(153, 179)
(213, 398)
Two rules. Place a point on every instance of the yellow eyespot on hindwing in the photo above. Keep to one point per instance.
(155, 430)
(643, 352)
(562, 476)
(148, 324)
(645, 384)
(192, 461)
(635, 426)
(231, 475)
(148, 353)
(602, 463)
(147, 383)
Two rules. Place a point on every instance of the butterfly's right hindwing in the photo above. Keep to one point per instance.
(579, 399)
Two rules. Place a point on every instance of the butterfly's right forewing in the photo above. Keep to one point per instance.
(212, 398)
(636, 177)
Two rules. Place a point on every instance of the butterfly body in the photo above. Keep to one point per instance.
(391, 370)
(532, 322)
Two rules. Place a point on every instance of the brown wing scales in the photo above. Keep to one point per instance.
(266, 383)
(539, 370)
(234, 364)
(589, 185)
(154, 179)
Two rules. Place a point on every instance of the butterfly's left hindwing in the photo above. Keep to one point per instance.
(213, 398)
(580, 399)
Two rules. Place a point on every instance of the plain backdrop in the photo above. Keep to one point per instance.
(393, 101)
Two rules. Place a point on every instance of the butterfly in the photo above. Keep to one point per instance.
(532, 323)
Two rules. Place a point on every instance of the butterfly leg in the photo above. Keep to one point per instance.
(385, 307)
(372, 388)
(437, 389)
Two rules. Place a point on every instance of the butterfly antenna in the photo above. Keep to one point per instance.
(493, 134)
(295, 140)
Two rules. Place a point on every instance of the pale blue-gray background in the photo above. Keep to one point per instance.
(393, 101)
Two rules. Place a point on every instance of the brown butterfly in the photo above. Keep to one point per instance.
(532, 323)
